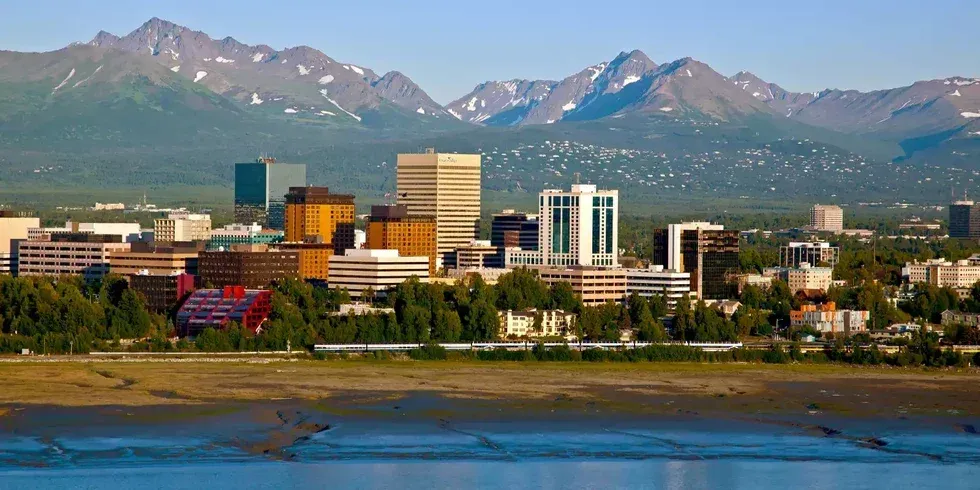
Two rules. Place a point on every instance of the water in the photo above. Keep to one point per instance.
(570, 454)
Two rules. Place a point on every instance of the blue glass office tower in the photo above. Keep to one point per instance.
(260, 190)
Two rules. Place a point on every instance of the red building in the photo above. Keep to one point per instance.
(214, 308)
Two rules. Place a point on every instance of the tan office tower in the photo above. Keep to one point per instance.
(827, 218)
(446, 186)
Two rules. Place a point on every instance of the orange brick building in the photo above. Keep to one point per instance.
(391, 228)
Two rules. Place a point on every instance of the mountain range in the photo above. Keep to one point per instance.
(165, 89)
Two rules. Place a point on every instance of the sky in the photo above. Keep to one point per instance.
(448, 47)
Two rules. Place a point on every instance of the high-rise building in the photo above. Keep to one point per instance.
(251, 266)
(314, 258)
(380, 270)
(182, 227)
(13, 229)
(260, 190)
(708, 252)
(83, 254)
(391, 228)
(813, 253)
(445, 186)
(253, 234)
(964, 220)
(512, 229)
(576, 228)
(314, 212)
(827, 218)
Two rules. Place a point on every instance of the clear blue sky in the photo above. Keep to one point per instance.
(450, 46)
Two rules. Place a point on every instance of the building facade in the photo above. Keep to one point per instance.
(479, 254)
(708, 252)
(444, 186)
(260, 190)
(380, 270)
(81, 254)
(657, 281)
(814, 253)
(964, 220)
(804, 277)
(216, 308)
(315, 212)
(962, 274)
(254, 234)
(516, 324)
(157, 259)
(826, 318)
(511, 229)
(391, 228)
(13, 230)
(314, 259)
(594, 285)
(162, 292)
(576, 228)
(827, 218)
(253, 267)
(182, 227)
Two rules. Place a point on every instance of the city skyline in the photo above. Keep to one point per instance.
(809, 55)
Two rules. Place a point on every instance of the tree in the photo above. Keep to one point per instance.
(650, 329)
(367, 295)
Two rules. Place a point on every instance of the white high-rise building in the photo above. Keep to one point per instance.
(576, 228)
(827, 218)
(182, 227)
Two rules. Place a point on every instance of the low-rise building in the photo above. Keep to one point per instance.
(250, 266)
(362, 309)
(162, 292)
(84, 254)
(522, 324)
(182, 227)
(761, 281)
(804, 277)
(479, 254)
(962, 274)
(216, 308)
(595, 285)
(657, 281)
(314, 258)
(253, 234)
(379, 270)
(157, 259)
(814, 253)
(827, 318)
(14, 228)
(127, 232)
(950, 317)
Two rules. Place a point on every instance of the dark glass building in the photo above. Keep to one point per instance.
(254, 266)
(260, 190)
(964, 220)
(708, 252)
(513, 229)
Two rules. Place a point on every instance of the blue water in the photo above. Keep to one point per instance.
(659, 474)
(570, 454)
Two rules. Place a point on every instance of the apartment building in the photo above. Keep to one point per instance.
(516, 324)
(445, 186)
(379, 270)
(392, 228)
(804, 277)
(84, 254)
(962, 274)
(826, 318)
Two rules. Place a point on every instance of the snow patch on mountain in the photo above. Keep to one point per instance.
(63, 82)
(200, 75)
(569, 106)
(357, 70)
(257, 57)
(630, 79)
(175, 69)
(255, 99)
(325, 79)
(97, 70)
(223, 60)
(303, 70)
